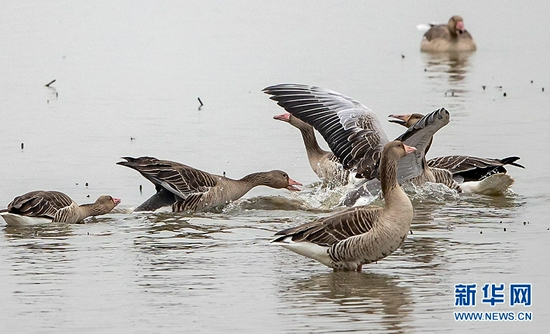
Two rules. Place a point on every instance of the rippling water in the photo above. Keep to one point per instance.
(128, 76)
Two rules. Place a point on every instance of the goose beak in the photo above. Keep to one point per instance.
(460, 26)
(291, 184)
(399, 119)
(282, 117)
(116, 201)
(409, 149)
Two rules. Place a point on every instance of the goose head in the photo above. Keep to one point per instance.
(406, 120)
(456, 25)
(104, 204)
(295, 121)
(278, 179)
(396, 150)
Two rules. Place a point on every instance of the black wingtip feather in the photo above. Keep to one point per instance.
(511, 161)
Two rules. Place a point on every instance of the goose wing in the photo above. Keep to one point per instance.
(330, 230)
(436, 31)
(420, 135)
(179, 179)
(39, 203)
(473, 168)
(352, 131)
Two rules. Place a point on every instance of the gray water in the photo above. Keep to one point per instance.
(128, 78)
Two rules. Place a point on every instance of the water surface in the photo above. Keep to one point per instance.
(128, 76)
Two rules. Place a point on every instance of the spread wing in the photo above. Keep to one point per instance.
(330, 230)
(420, 135)
(352, 131)
(39, 203)
(179, 179)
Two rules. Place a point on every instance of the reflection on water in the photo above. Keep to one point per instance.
(47, 231)
(452, 66)
(357, 298)
(447, 73)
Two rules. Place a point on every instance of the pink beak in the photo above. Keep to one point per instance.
(117, 201)
(460, 26)
(409, 149)
(283, 117)
(292, 183)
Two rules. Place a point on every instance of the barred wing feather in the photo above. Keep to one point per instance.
(179, 179)
(329, 230)
(351, 130)
(39, 203)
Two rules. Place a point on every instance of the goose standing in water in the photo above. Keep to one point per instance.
(187, 189)
(467, 171)
(360, 235)
(354, 133)
(38, 207)
(324, 163)
(450, 37)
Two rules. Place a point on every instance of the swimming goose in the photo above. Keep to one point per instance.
(353, 132)
(448, 37)
(323, 163)
(463, 168)
(187, 189)
(360, 235)
(37, 207)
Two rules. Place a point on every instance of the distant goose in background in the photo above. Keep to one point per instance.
(466, 169)
(351, 238)
(448, 37)
(353, 132)
(38, 207)
(187, 189)
(324, 163)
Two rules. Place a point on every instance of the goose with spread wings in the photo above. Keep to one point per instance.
(473, 174)
(354, 133)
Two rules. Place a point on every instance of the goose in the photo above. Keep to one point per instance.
(448, 37)
(356, 236)
(323, 163)
(354, 133)
(187, 189)
(38, 207)
(467, 171)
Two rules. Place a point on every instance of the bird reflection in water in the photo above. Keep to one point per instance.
(360, 297)
(449, 71)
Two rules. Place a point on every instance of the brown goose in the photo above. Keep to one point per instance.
(187, 189)
(360, 235)
(353, 132)
(40, 206)
(463, 167)
(448, 37)
(466, 174)
(325, 164)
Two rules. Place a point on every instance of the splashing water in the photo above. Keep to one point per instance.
(429, 191)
